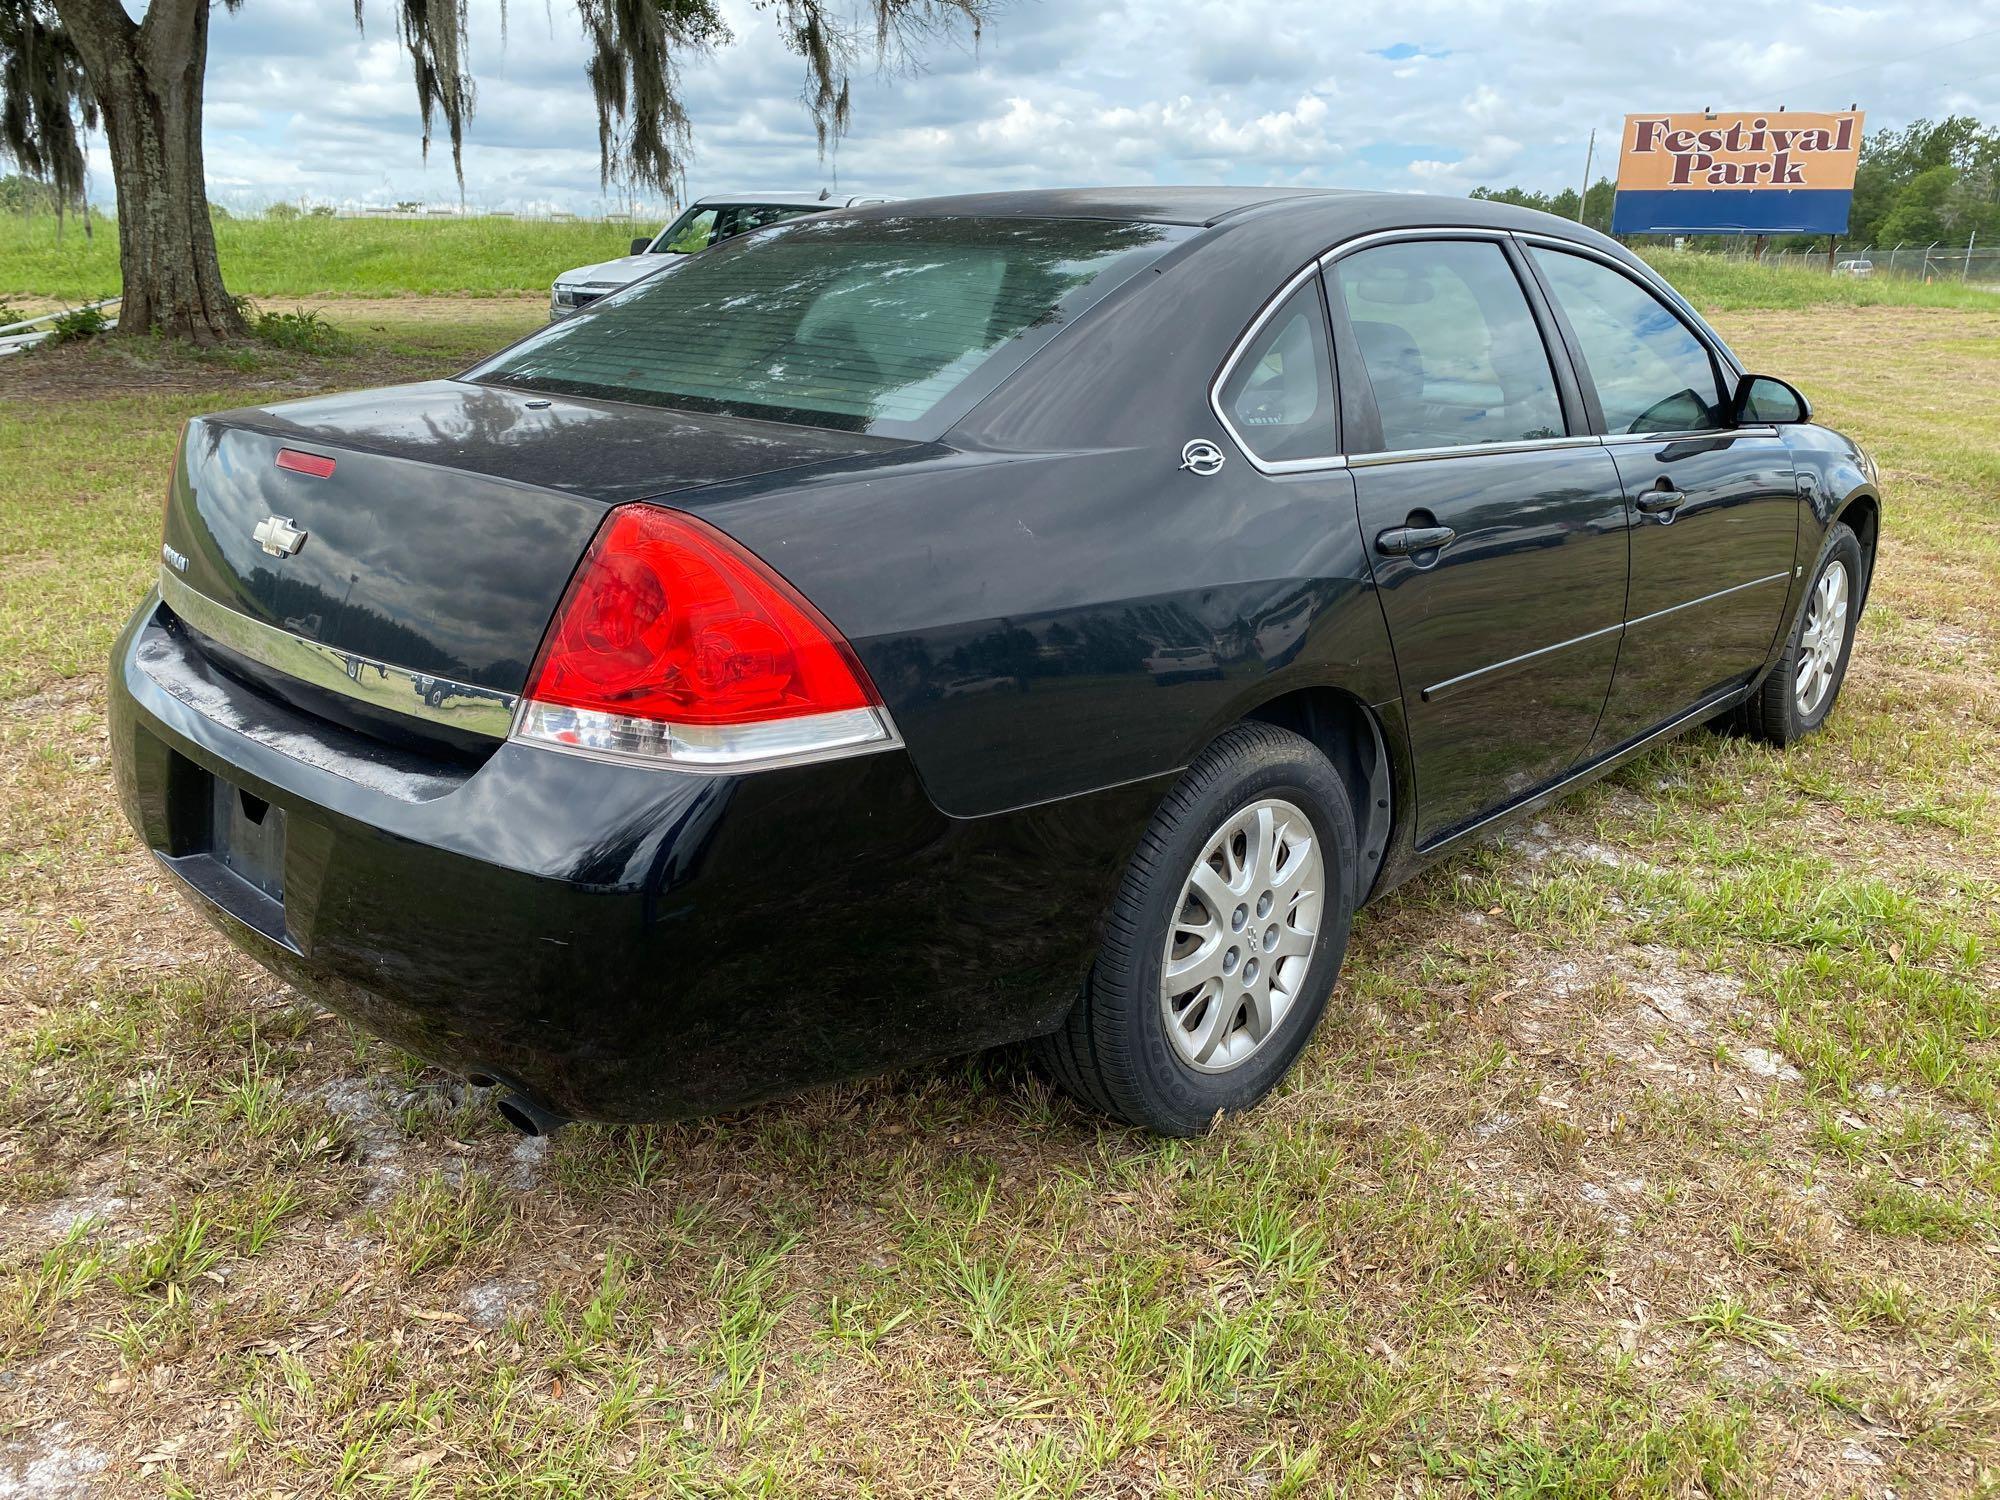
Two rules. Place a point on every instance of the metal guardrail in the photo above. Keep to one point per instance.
(13, 340)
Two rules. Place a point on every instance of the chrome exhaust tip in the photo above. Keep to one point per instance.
(526, 1116)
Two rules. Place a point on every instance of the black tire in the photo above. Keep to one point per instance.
(1773, 713)
(1112, 1053)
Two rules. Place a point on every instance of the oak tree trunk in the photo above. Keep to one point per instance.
(148, 80)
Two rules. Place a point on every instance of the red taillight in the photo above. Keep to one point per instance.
(674, 643)
(315, 464)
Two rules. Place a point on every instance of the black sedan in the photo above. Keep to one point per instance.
(917, 628)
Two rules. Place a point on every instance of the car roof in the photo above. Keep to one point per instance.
(1152, 205)
(1321, 217)
(787, 200)
(1329, 215)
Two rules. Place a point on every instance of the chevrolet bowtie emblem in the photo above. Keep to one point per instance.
(278, 536)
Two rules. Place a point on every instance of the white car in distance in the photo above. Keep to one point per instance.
(705, 222)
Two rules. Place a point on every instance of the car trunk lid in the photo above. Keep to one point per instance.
(430, 528)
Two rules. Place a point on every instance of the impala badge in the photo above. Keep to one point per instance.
(1201, 457)
(278, 536)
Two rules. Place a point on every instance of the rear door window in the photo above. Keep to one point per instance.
(1279, 394)
(1451, 349)
(1652, 374)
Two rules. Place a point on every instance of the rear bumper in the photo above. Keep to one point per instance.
(623, 943)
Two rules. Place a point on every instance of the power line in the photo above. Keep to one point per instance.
(1952, 83)
(1890, 62)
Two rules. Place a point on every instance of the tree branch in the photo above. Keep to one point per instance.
(100, 29)
(831, 42)
(167, 34)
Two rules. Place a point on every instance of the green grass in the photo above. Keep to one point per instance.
(1719, 283)
(312, 257)
(1655, 1152)
(315, 257)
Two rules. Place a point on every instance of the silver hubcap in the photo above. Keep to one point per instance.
(1242, 936)
(1821, 641)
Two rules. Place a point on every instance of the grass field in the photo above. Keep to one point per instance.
(310, 257)
(1717, 283)
(307, 258)
(1649, 1150)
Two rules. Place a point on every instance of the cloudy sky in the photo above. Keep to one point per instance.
(1412, 96)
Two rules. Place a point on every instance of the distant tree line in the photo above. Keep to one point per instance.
(27, 195)
(1931, 181)
(1596, 202)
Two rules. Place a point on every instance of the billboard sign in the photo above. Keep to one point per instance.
(1759, 172)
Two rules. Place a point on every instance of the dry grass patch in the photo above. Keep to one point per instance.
(1649, 1149)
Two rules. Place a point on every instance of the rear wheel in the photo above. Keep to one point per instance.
(1799, 693)
(1223, 942)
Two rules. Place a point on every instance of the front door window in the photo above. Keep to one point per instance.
(1652, 374)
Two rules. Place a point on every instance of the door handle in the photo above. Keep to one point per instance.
(1401, 541)
(1662, 502)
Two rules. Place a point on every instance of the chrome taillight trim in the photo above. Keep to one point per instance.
(382, 685)
(712, 749)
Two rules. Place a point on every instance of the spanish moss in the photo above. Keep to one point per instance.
(434, 34)
(831, 39)
(46, 103)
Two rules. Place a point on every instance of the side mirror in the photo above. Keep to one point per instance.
(642, 244)
(1765, 398)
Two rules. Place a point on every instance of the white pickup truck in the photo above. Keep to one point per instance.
(707, 220)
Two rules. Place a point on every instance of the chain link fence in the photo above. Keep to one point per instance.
(1972, 263)
(638, 214)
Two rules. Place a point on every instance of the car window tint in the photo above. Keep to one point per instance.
(1652, 374)
(692, 233)
(867, 324)
(1451, 350)
(699, 228)
(741, 218)
(1279, 395)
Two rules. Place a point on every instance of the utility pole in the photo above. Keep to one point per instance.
(1588, 152)
(1970, 241)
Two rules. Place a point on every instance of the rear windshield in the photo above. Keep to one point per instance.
(893, 325)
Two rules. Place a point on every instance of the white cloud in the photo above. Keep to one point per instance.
(1420, 95)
